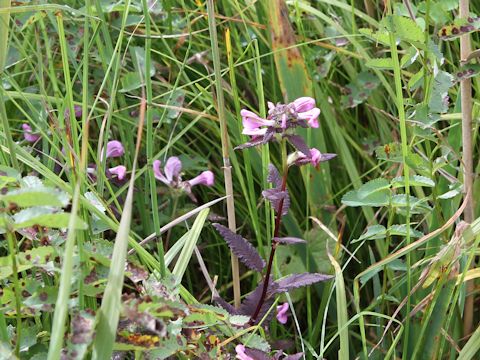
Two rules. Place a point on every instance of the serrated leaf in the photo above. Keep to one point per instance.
(249, 304)
(296, 281)
(405, 29)
(372, 187)
(373, 232)
(383, 63)
(81, 335)
(377, 199)
(415, 180)
(239, 320)
(289, 240)
(242, 249)
(381, 37)
(255, 341)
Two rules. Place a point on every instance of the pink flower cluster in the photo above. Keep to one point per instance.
(282, 120)
(171, 175)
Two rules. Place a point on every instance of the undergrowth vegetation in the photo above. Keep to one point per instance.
(239, 179)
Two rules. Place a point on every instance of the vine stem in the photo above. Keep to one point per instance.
(276, 232)
(468, 214)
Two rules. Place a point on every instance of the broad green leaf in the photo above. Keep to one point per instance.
(377, 199)
(373, 232)
(415, 180)
(380, 63)
(405, 29)
(380, 37)
(37, 216)
(372, 187)
(438, 100)
(36, 196)
(401, 230)
(417, 206)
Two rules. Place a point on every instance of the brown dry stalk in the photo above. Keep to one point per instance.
(467, 155)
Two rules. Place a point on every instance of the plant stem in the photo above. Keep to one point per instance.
(468, 214)
(227, 169)
(276, 232)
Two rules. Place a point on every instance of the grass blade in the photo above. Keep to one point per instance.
(342, 311)
(189, 245)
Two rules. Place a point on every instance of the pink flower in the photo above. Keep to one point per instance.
(172, 169)
(282, 316)
(77, 110)
(315, 157)
(311, 116)
(206, 178)
(114, 149)
(29, 135)
(119, 170)
(304, 104)
(253, 124)
(240, 350)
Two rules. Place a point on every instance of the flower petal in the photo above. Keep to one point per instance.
(28, 134)
(114, 149)
(173, 167)
(311, 116)
(158, 172)
(240, 350)
(282, 316)
(303, 104)
(252, 121)
(120, 171)
(206, 178)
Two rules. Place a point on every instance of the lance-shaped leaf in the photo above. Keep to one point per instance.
(274, 176)
(295, 281)
(249, 304)
(298, 142)
(230, 308)
(289, 240)
(242, 249)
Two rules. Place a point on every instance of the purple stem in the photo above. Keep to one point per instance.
(278, 221)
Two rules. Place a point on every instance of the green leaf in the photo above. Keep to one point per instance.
(190, 243)
(41, 216)
(372, 187)
(380, 37)
(377, 199)
(401, 230)
(415, 180)
(380, 63)
(417, 206)
(36, 196)
(438, 99)
(373, 232)
(405, 29)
